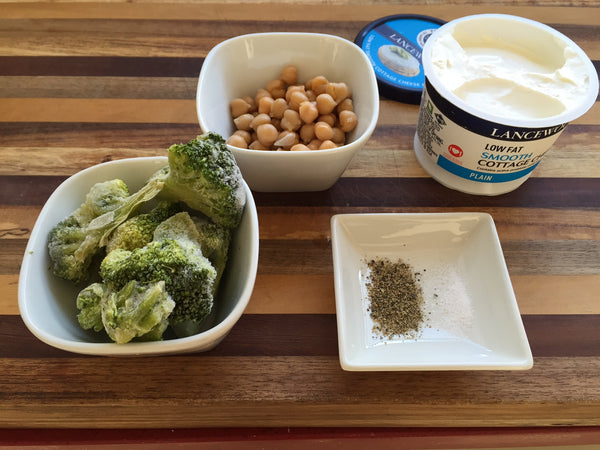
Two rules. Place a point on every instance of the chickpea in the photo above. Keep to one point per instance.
(276, 88)
(289, 75)
(307, 132)
(319, 84)
(291, 89)
(339, 136)
(328, 118)
(265, 104)
(299, 148)
(328, 144)
(287, 139)
(323, 131)
(244, 135)
(259, 119)
(266, 134)
(278, 108)
(308, 112)
(291, 120)
(238, 107)
(296, 99)
(287, 115)
(339, 91)
(243, 122)
(325, 103)
(251, 102)
(256, 145)
(345, 105)
(260, 94)
(237, 141)
(348, 121)
(314, 144)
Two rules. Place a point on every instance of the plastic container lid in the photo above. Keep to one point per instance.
(394, 45)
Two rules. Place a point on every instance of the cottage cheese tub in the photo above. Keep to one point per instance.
(498, 92)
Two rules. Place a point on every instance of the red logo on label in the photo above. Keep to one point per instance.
(455, 150)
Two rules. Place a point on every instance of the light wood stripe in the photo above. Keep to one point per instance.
(536, 294)
(466, 399)
(314, 294)
(373, 161)
(511, 223)
(242, 10)
(169, 111)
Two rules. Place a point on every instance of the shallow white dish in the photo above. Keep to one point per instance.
(239, 66)
(47, 303)
(472, 317)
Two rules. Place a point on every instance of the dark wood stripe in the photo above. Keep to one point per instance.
(120, 66)
(27, 190)
(276, 438)
(314, 257)
(523, 257)
(12, 251)
(426, 192)
(552, 257)
(95, 135)
(316, 335)
(173, 88)
(369, 192)
(563, 335)
(114, 66)
(295, 257)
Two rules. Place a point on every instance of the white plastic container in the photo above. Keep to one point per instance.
(483, 126)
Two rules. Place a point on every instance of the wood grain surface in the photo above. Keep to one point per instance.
(87, 82)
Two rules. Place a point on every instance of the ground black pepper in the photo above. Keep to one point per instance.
(396, 298)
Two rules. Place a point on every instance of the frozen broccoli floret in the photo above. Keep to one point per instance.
(214, 241)
(69, 235)
(136, 310)
(138, 230)
(179, 226)
(103, 197)
(89, 304)
(178, 261)
(204, 175)
(212, 238)
(73, 242)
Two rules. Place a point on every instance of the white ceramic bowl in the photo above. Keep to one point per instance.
(47, 303)
(239, 66)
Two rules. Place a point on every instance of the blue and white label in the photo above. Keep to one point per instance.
(475, 149)
(395, 47)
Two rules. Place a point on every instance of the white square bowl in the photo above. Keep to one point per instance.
(472, 320)
(47, 303)
(239, 66)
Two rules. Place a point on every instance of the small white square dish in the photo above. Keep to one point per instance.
(471, 317)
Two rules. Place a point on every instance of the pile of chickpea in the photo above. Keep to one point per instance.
(286, 115)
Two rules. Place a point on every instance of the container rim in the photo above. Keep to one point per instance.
(562, 118)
